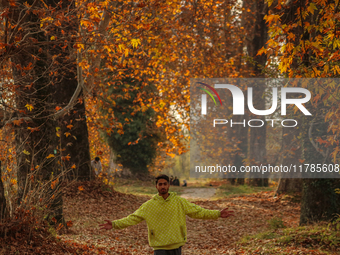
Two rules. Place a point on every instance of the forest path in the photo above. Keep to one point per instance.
(199, 193)
(89, 206)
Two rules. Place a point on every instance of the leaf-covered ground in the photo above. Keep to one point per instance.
(256, 228)
(254, 213)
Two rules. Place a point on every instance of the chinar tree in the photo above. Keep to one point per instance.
(131, 133)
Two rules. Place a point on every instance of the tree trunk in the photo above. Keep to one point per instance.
(257, 147)
(319, 199)
(2, 197)
(289, 185)
(45, 74)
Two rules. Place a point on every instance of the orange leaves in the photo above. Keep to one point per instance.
(54, 183)
(13, 181)
(261, 51)
(58, 108)
(17, 122)
(80, 188)
(271, 18)
(66, 158)
(50, 156)
(171, 155)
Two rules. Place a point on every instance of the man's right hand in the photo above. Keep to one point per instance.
(106, 226)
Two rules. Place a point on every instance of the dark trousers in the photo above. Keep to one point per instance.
(177, 251)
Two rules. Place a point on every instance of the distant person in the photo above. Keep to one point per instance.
(184, 183)
(96, 166)
(171, 180)
(165, 217)
(176, 181)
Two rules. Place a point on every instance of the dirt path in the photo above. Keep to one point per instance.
(88, 208)
(199, 193)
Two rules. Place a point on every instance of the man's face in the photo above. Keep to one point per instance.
(162, 186)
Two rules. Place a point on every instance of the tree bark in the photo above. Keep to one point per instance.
(2, 197)
(45, 74)
(257, 147)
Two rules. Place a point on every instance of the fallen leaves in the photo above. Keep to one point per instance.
(87, 204)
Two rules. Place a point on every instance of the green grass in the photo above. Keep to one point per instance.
(227, 190)
(322, 236)
(137, 187)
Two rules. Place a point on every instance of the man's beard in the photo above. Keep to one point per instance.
(163, 191)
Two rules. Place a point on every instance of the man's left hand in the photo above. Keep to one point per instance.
(225, 213)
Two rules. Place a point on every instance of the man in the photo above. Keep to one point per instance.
(176, 181)
(96, 166)
(165, 217)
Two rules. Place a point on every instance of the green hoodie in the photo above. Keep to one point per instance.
(166, 220)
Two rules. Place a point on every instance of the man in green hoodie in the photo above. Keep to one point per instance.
(165, 217)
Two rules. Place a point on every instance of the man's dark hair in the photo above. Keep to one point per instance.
(96, 158)
(163, 176)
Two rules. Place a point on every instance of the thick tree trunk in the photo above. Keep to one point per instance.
(259, 38)
(319, 200)
(289, 185)
(2, 197)
(45, 73)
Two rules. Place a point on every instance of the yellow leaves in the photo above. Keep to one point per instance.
(29, 107)
(121, 47)
(26, 152)
(50, 156)
(13, 181)
(336, 44)
(58, 131)
(85, 23)
(316, 72)
(326, 69)
(73, 166)
(336, 69)
(335, 153)
(126, 52)
(135, 42)
(45, 20)
(52, 38)
(311, 8)
(79, 46)
(67, 134)
(261, 51)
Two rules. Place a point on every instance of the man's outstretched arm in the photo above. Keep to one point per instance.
(132, 219)
(197, 212)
